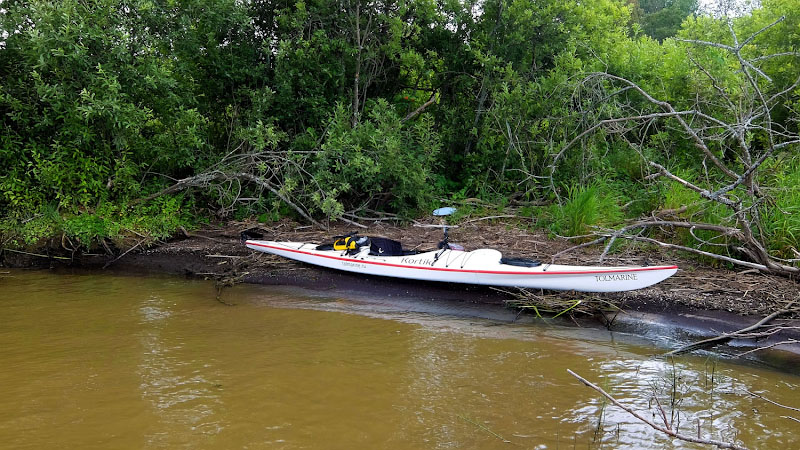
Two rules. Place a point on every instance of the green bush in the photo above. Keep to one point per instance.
(379, 159)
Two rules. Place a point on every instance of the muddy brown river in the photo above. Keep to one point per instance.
(102, 361)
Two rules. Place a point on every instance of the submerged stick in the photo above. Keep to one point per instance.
(484, 428)
(772, 401)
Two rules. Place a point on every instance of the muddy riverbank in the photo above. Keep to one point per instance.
(702, 299)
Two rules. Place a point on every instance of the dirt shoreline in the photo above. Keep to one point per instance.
(699, 299)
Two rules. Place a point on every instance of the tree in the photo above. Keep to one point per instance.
(661, 19)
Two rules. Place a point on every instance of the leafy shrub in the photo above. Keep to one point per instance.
(379, 158)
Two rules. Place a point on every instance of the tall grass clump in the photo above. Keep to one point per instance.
(586, 207)
(781, 216)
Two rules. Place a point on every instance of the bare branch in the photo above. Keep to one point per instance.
(726, 231)
(666, 430)
(772, 402)
(707, 44)
(422, 108)
(703, 192)
(725, 337)
(774, 55)
(753, 36)
(576, 247)
(766, 347)
(738, 262)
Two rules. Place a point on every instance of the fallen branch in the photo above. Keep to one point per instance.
(723, 230)
(204, 179)
(352, 222)
(772, 401)
(503, 216)
(125, 253)
(726, 337)
(760, 267)
(576, 247)
(767, 347)
(668, 431)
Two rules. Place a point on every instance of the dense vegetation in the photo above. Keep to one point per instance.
(321, 108)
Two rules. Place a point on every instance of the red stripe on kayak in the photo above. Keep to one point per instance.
(497, 272)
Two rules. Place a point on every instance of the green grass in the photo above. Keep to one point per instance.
(586, 207)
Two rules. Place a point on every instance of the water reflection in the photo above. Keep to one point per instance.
(177, 387)
(693, 396)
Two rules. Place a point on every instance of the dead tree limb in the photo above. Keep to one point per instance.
(727, 337)
(767, 347)
(723, 230)
(664, 429)
(205, 179)
(422, 108)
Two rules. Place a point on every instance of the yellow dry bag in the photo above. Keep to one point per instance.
(345, 243)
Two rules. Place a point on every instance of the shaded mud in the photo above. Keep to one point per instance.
(699, 299)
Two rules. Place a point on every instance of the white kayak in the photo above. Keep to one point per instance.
(481, 266)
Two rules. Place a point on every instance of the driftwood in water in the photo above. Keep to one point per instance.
(755, 331)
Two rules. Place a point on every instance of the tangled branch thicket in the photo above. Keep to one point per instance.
(732, 127)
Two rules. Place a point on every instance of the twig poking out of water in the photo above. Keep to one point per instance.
(664, 429)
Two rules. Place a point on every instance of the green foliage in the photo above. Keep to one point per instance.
(156, 220)
(661, 19)
(386, 105)
(379, 159)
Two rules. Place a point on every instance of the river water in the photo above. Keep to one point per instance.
(102, 361)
